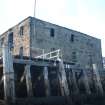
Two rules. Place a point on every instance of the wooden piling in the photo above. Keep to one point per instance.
(76, 89)
(8, 73)
(98, 80)
(63, 79)
(86, 82)
(46, 81)
(28, 81)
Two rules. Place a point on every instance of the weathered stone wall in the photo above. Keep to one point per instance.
(87, 49)
(82, 49)
(19, 40)
(76, 47)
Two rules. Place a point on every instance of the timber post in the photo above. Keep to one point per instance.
(46, 81)
(98, 80)
(28, 81)
(75, 82)
(63, 79)
(8, 73)
(86, 82)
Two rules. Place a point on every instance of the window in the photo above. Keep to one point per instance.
(2, 41)
(21, 30)
(52, 49)
(74, 57)
(10, 40)
(21, 52)
(72, 37)
(52, 32)
(54, 53)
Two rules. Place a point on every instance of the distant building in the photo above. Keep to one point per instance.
(31, 36)
(104, 62)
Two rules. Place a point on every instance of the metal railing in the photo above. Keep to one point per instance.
(51, 55)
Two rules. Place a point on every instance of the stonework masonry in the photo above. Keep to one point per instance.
(76, 47)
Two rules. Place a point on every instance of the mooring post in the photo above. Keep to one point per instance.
(63, 79)
(86, 81)
(8, 73)
(98, 80)
(28, 81)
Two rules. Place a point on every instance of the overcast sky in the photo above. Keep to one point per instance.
(87, 16)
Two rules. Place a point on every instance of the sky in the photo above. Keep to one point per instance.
(86, 16)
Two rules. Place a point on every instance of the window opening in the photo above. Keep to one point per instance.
(21, 30)
(72, 37)
(52, 32)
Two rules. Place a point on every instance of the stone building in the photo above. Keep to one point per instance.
(31, 73)
(32, 37)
